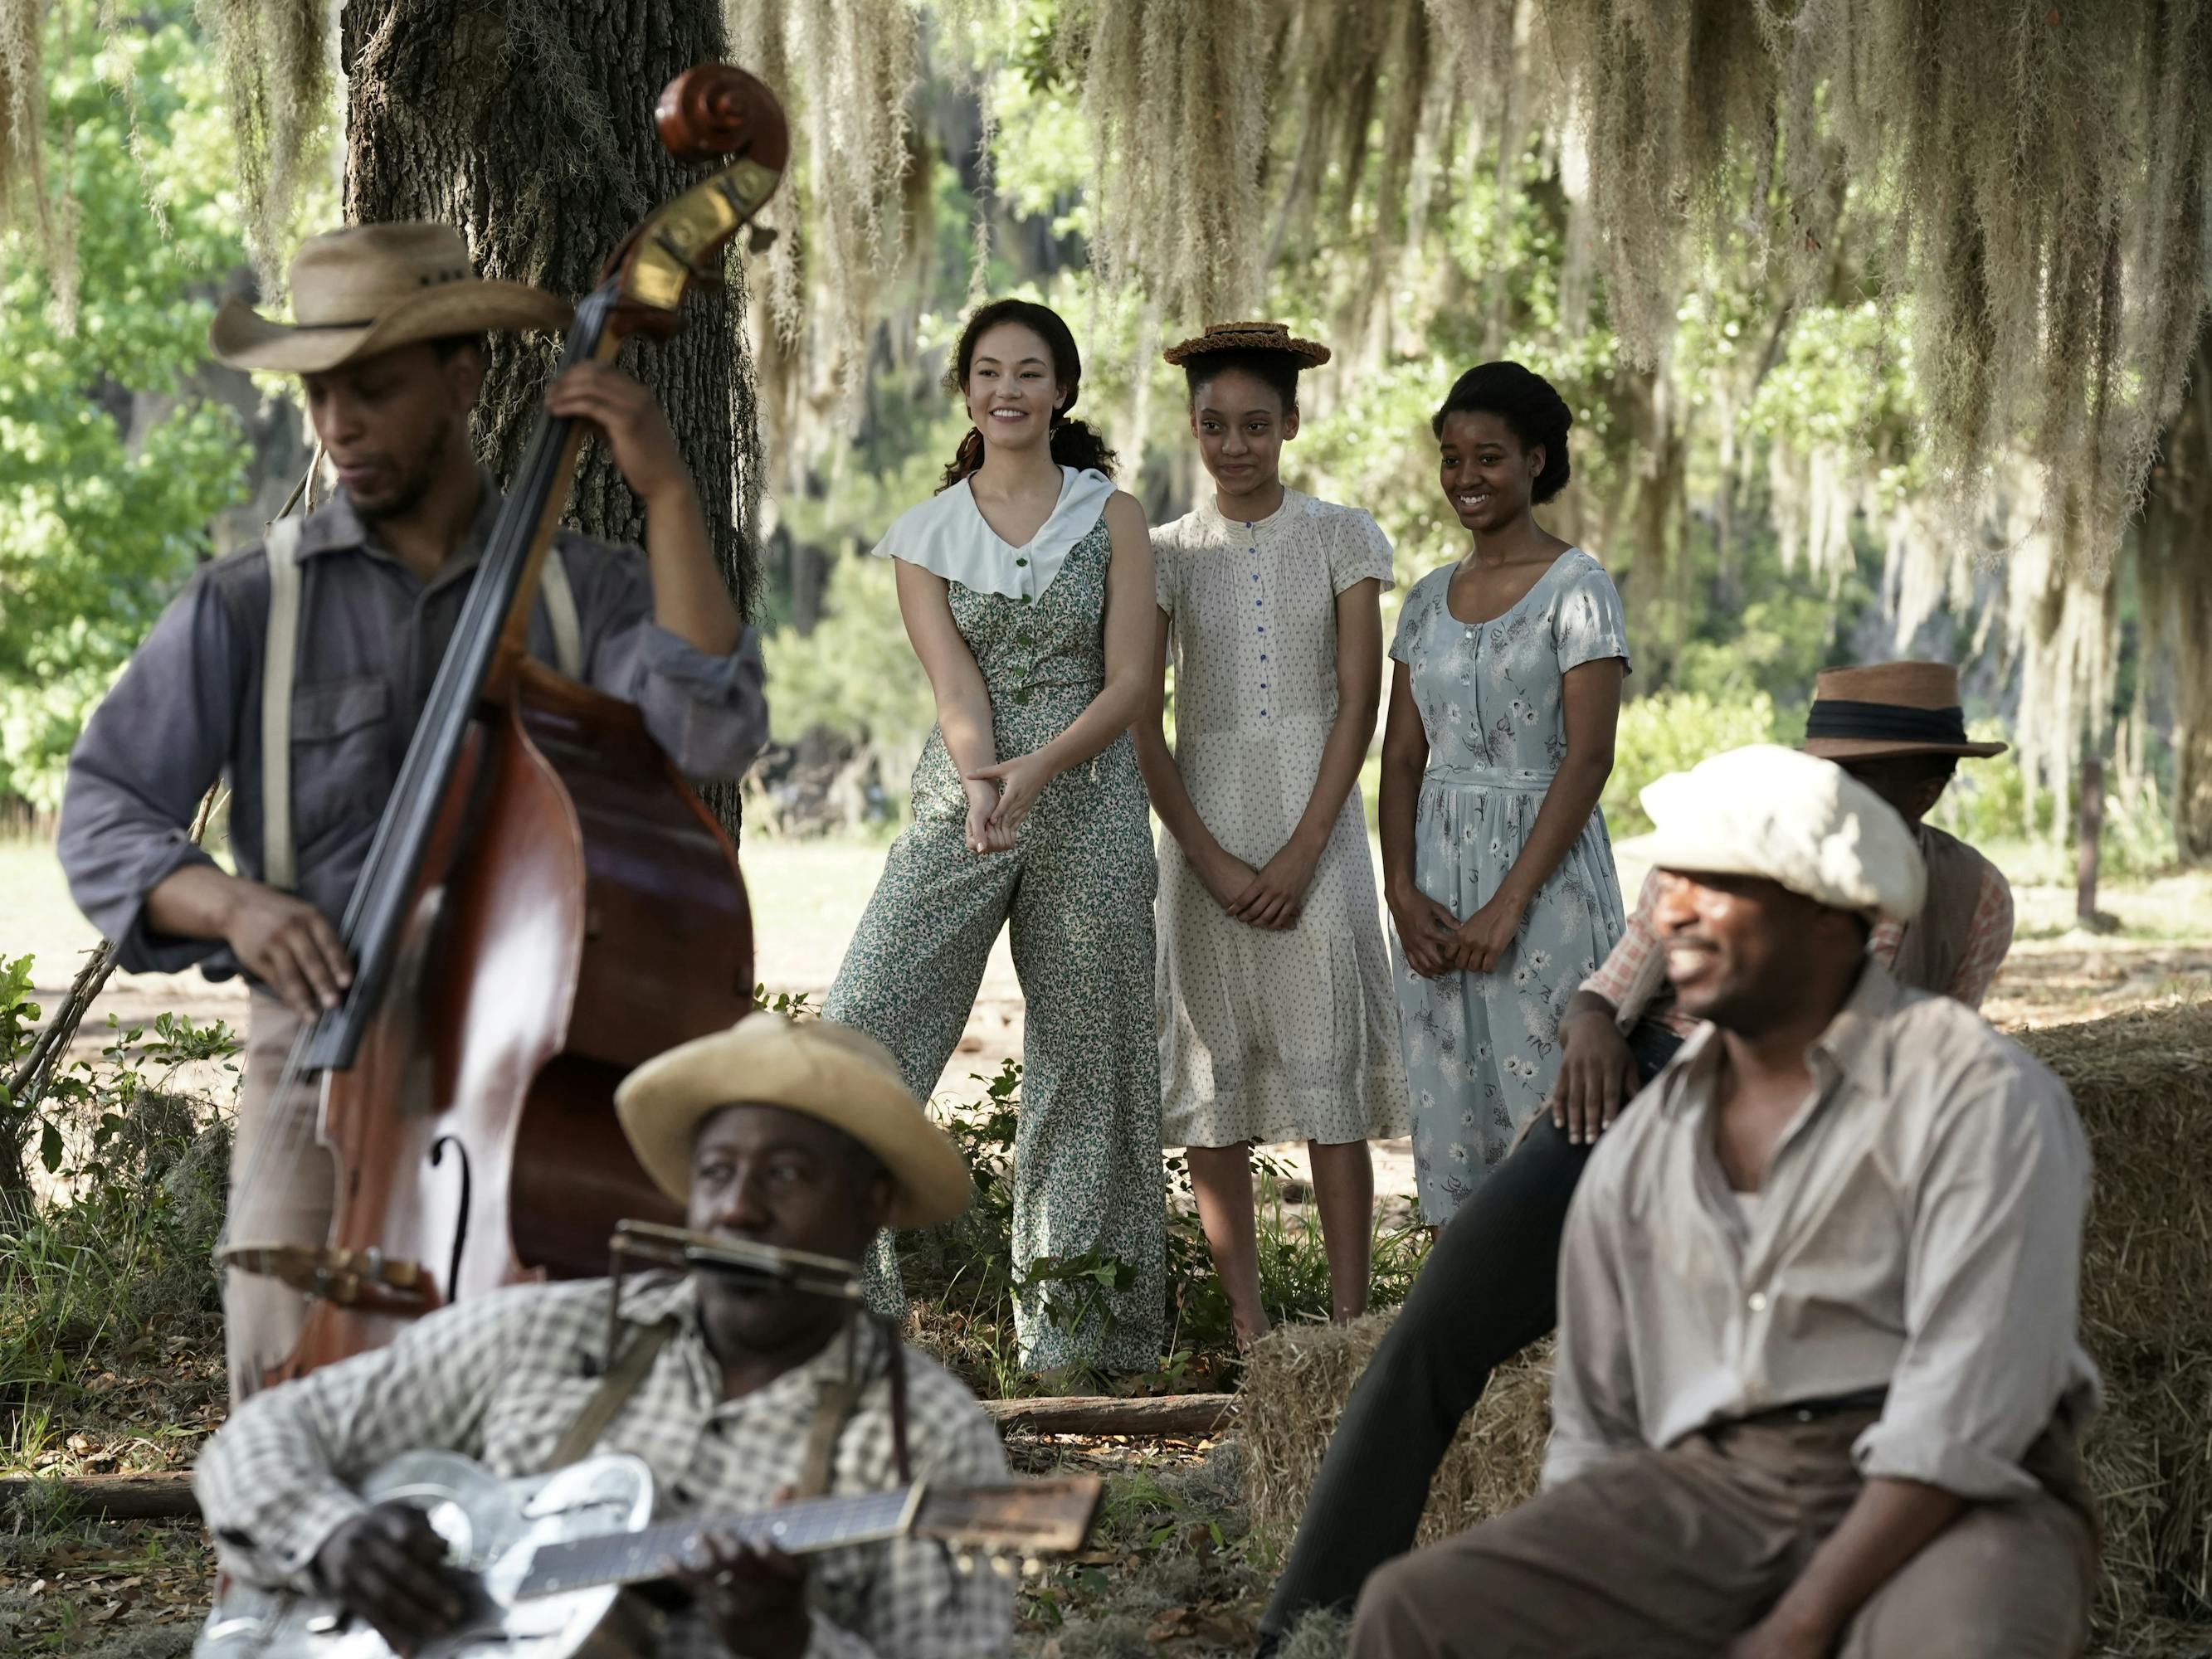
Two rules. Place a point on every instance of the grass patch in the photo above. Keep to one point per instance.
(959, 1277)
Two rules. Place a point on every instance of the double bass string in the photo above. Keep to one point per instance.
(388, 872)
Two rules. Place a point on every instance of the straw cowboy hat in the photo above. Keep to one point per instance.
(833, 1072)
(1890, 709)
(366, 288)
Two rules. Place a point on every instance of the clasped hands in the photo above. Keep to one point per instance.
(999, 797)
(1437, 943)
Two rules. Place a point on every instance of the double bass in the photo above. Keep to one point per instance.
(546, 903)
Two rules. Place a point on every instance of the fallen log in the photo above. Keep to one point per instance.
(1168, 1416)
(168, 1496)
(164, 1497)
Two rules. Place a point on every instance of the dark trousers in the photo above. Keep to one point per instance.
(1488, 1290)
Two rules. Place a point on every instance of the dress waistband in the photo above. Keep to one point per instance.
(1491, 777)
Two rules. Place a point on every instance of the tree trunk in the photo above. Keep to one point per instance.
(2176, 563)
(529, 124)
(2088, 840)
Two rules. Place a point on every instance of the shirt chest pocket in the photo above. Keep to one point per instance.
(341, 757)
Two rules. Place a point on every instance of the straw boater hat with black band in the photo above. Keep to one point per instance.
(1888, 710)
(832, 1072)
(368, 289)
(1249, 336)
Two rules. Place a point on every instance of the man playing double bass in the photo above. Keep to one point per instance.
(355, 603)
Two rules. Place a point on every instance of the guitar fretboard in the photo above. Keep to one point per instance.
(657, 1552)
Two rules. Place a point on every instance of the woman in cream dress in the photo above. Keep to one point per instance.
(1275, 1013)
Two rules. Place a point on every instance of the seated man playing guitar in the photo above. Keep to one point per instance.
(737, 1391)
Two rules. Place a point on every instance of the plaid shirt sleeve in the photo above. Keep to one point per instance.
(1989, 938)
(277, 1479)
(1633, 968)
(920, 1605)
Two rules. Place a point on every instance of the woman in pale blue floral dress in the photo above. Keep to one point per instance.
(1496, 864)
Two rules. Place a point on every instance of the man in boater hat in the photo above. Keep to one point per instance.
(353, 604)
(733, 1390)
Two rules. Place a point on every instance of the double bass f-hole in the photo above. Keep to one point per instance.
(438, 1149)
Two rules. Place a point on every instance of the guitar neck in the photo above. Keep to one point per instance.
(659, 1551)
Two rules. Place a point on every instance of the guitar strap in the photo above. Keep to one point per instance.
(623, 1379)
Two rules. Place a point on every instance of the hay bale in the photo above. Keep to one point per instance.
(1297, 1379)
(2143, 1082)
(2150, 1462)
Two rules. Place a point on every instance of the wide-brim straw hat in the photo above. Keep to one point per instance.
(368, 289)
(1249, 337)
(826, 1071)
(1890, 709)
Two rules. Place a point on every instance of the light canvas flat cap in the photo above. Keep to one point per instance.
(366, 288)
(833, 1072)
(1799, 821)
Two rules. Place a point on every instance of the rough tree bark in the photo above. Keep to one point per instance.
(2176, 549)
(529, 124)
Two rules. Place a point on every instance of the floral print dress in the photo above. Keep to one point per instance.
(1076, 890)
(1481, 1049)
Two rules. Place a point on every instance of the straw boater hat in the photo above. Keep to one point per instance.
(829, 1071)
(1799, 821)
(368, 288)
(1249, 337)
(1890, 709)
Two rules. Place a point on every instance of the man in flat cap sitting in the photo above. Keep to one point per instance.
(797, 1135)
(1818, 1385)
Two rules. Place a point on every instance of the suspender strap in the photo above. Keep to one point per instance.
(897, 1362)
(561, 612)
(831, 1412)
(623, 1380)
(279, 856)
(834, 1409)
(279, 861)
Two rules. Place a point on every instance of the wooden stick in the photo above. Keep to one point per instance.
(1167, 1416)
(164, 1497)
(168, 1496)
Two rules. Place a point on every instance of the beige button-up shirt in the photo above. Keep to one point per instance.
(1919, 1229)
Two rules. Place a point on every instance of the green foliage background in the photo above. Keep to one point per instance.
(115, 451)
(96, 532)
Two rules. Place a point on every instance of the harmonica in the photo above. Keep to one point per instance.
(641, 1243)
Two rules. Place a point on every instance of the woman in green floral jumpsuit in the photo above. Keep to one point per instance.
(1028, 810)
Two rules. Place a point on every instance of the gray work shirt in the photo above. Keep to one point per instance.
(1919, 1229)
(371, 635)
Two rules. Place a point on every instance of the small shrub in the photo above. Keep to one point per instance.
(115, 1259)
(1672, 732)
(963, 1271)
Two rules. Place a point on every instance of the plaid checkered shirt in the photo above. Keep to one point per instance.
(500, 1379)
